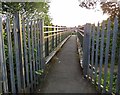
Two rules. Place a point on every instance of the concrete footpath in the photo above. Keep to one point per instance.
(65, 74)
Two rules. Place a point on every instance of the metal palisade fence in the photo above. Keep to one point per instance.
(100, 50)
(25, 47)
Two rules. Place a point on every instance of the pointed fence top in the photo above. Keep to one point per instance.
(115, 24)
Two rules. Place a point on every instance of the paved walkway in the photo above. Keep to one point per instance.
(65, 73)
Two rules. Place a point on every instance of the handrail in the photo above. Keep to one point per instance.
(54, 26)
(81, 32)
(53, 31)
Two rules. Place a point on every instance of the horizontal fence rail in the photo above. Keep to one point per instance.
(53, 36)
(80, 35)
(101, 55)
(25, 46)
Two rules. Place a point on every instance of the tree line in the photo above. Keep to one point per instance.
(28, 10)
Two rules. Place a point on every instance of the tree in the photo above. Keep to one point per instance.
(111, 8)
(27, 9)
(89, 4)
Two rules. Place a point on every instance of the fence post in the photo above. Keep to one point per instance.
(32, 50)
(53, 37)
(25, 53)
(86, 48)
(1, 56)
(20, 47)
(47, 42)
(29, 53)
(107, 47)
(60, 32)
(56, 35)
(42, 53)
(3, 69)
(118, 76)
(113, 52)
(101, 54)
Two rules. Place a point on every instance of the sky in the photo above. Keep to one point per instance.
(68, 13)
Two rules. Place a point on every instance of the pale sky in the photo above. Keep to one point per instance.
(68, 13)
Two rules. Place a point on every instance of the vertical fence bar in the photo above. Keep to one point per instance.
(53, 37)
(115, 30)
(56, 36)
(33, 55)
(106, 55)
(3, 71)
(101, 55)
(60, 33)
(86, 49)
(1, 56)
(93, 45)
(25, 53)
(47, 43)
(50, 41)
(96, 53)
(38, 41)
(17, 56)
(89, 52)
(42, 54)
(29, 51)
(10, 55)
(118, 77)
(1, 63)
(64, 33)
(18, 24)
(36, 50)
(4, 66)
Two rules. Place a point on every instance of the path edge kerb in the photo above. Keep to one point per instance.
(52, 54)
(79, 52)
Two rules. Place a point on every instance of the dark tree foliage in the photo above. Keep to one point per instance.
(28, 9)
(89, 4)
(110, 8)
